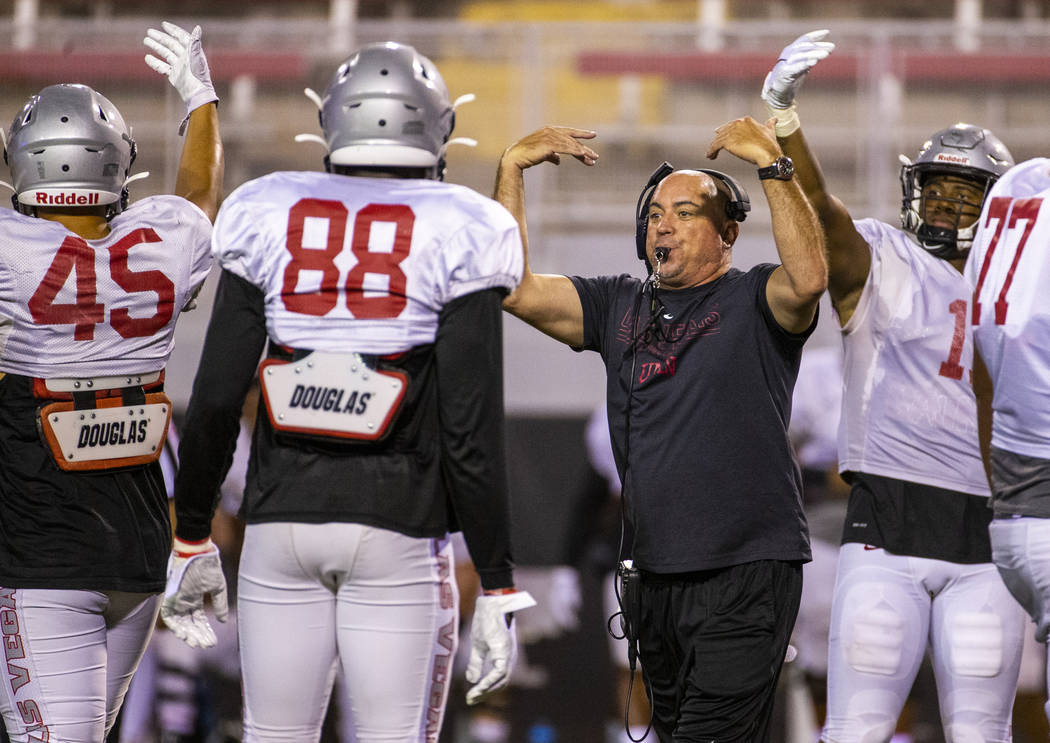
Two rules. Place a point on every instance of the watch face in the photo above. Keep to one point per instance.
(782, 169)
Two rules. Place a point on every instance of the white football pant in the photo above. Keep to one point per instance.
(886, 610)
(1021, 552)
(383, 604)
(70, 656)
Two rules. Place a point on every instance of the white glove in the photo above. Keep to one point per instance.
(784, 80)
(493, 646)
(194, 570)
(182, 59)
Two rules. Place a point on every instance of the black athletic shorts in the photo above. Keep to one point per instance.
(712, 644)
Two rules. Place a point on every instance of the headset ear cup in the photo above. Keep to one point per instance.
(641, 229)
(739, 204)
(641, 211)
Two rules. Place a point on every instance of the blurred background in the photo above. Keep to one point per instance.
(654, 78)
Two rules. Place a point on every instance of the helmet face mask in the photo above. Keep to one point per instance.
(387, 106)
(961, 151)
(69, 147)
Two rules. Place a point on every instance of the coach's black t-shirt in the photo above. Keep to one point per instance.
(711, 480)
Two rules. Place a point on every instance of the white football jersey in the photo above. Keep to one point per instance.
(1009, 268)
(76, 307)
(363, 265)
(908, 408)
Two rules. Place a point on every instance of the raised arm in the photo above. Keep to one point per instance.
(178, 55)
(548, 302)
(849, 257)
(794, 288)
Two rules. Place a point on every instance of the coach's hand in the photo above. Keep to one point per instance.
(547, 145)
(493, 646)
(747, 139)
(194, 571)
(180, 57)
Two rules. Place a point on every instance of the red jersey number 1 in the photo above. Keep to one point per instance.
(951, 368)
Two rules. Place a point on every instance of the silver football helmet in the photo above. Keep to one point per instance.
(961, 150)
(387, 106)
(69, 146)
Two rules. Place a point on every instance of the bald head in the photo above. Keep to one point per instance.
(722, 195)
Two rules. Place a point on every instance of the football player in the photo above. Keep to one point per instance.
(915, 566)
(374, 290)
(1009, 269)
(90, 290)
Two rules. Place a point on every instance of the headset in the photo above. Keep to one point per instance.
(737, 206)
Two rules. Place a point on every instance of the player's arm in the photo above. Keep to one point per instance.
(233, 344)
(469, 358)
(849, 257)
(201, 166)
(178, 55)
(469, 362)
(794, 288)
(984, 391)
(548, 302)
(232, 347)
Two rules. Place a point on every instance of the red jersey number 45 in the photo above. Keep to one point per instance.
(76, 258)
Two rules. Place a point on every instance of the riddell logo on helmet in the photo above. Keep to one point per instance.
(66, 198)
(959, 159)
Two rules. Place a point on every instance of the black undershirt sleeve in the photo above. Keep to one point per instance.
(234, 342)
(469, 357)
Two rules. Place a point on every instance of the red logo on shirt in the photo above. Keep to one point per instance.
(664, 340)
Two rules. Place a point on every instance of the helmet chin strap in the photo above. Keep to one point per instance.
(316, 99)
(313, 96)
(465, 98)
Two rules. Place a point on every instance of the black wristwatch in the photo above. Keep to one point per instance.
(782, 169)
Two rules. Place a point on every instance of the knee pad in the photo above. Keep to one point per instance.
(972, 716)
(877, 641)
(965, 734)
(976, 644)
(869, 717)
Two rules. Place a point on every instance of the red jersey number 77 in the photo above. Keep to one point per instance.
(1007, 217)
